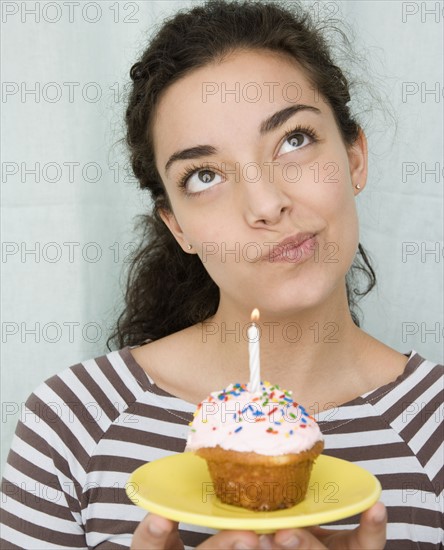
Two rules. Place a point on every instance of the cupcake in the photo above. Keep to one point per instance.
(259, 447)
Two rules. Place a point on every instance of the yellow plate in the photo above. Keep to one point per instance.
(179, 488)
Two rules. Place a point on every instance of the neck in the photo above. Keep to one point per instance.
(306, 349)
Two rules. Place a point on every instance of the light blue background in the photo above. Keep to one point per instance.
(72, 300)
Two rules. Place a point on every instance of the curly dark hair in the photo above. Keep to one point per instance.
(168, 290)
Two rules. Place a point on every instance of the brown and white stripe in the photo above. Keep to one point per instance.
(86, 429)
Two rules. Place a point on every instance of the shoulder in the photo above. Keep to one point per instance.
(109, 378)
(168, 361)
(413, 398)
(418, 376)
(72, 409)
(413, 406)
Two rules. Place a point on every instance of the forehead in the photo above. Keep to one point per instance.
(228, 98)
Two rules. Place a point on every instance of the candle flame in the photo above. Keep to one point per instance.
(255, 315)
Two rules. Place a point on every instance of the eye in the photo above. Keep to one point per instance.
(298, 138)
(196, 179)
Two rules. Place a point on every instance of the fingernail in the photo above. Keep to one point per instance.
(241, 545)
(154, 528)
(291, 542)
(379, 515)
(264, 543)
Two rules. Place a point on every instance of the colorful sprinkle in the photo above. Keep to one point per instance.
(261, 407)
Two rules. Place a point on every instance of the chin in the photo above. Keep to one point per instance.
(294, 300)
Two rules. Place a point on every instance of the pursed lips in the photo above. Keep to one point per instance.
(289, 243)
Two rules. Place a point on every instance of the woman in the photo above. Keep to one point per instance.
(238, 124)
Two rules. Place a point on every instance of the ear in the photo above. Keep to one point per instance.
(169, 219)
(358, 162)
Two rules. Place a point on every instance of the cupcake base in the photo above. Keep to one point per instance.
(260, 482)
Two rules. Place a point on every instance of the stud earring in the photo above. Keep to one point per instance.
(190, 246)
(358, 186)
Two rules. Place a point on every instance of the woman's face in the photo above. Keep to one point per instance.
(255, 183)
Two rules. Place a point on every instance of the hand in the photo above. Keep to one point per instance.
(369, 535)
(158, 533)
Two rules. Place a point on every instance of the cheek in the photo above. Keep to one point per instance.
(210, 233)
(209, 229)
(335, 194)
(334, 185)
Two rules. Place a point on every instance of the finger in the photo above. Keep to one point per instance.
(231, 540)
(292, 539)
(369, 535)
(322, 533)
(156, 533)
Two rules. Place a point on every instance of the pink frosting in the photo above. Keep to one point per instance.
(266, 422)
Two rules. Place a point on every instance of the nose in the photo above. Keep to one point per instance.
(265, 202)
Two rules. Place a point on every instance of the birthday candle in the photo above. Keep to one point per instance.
(253, 349)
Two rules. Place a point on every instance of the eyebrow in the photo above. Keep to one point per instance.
(268, 125)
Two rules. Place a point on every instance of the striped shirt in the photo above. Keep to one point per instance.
(84, 431)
